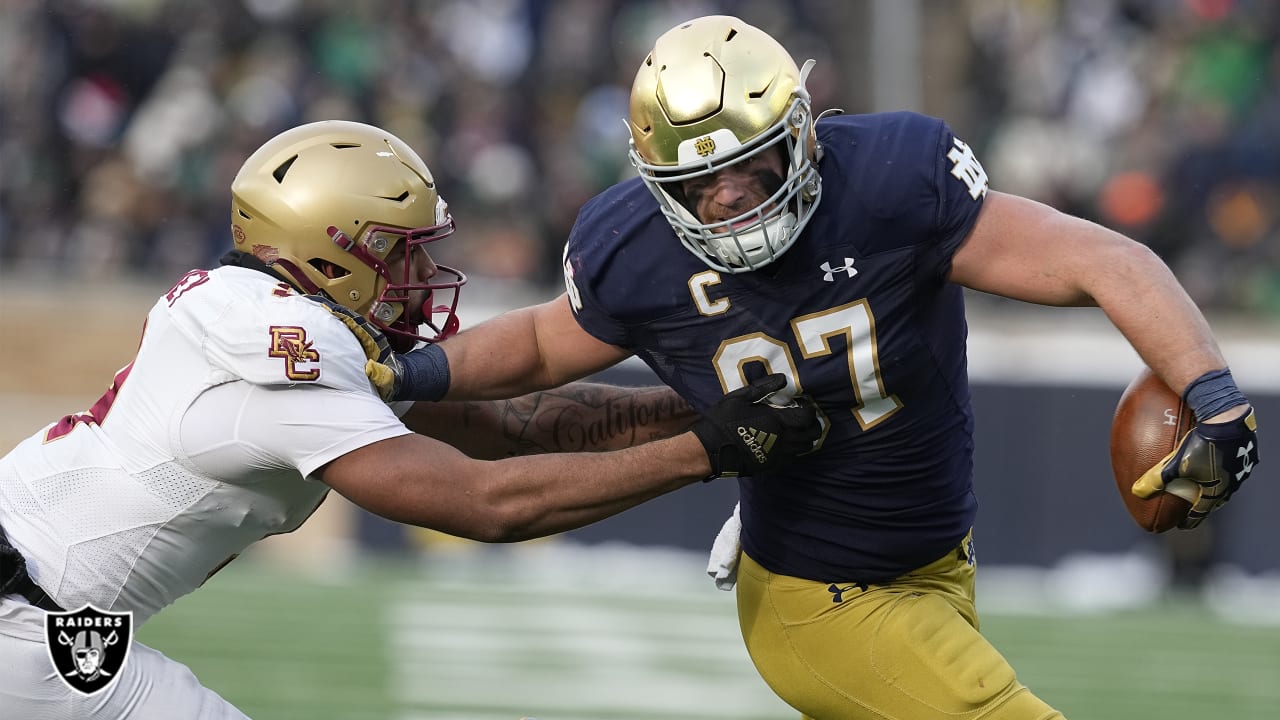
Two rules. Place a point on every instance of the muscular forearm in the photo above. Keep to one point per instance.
(416, 480)
(569, 494)
(575, 418)
(588, 417)
(498, 359)
(1147, 304)
(1028, 251)
(530, 349)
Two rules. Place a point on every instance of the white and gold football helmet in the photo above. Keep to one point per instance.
(324, 204)
(713, 92)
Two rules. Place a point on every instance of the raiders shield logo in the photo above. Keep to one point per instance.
(88, 647)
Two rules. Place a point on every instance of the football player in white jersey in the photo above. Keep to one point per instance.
(249, 400)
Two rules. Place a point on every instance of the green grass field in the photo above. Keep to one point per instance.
(495, 634)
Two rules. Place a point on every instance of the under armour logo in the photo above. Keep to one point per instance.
(847, 268)
(1170, 417)
(1247, 462)
(837, 592)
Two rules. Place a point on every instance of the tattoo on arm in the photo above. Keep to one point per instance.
(586, 417)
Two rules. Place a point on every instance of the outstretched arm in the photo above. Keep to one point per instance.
(529, 349)
(415, 479)
(420, 481)
(1028, 251)
(579, 417)
(533, 348)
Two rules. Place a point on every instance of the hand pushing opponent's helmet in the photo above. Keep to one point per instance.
(325, 204)
(713, 92)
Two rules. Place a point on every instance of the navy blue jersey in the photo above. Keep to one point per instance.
(859, 316)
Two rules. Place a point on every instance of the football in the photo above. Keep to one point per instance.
(1149, 422)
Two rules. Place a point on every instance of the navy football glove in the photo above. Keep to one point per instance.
(422, 374)
(745, 431)
(1218, 457)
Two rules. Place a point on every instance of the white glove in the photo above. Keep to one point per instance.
(723, 564)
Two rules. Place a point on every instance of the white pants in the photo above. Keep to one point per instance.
(151, 686)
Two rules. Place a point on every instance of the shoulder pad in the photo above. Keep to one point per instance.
(267, 334)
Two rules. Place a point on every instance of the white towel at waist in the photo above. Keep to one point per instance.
(723, 564)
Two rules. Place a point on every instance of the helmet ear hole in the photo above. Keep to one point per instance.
(331, 270)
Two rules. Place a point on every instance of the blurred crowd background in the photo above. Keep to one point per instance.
(122, 122)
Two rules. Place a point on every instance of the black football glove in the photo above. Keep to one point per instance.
(745, 432)
(381, 364)
(1218, 457)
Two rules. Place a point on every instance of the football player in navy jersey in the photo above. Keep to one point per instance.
(761, 239)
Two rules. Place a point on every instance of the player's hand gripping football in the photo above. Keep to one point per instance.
(745, 431)
(381, 364)
(1218, 457)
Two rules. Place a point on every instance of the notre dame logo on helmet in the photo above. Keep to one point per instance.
(88, 647)
(704, 146)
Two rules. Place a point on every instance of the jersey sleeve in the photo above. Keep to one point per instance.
(902, 179)
(294, 341)
(582, 270)
(961, 186)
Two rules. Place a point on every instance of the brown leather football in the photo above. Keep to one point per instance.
(1149, 422)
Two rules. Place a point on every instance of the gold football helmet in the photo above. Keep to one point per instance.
(324, 204)
(713, 92)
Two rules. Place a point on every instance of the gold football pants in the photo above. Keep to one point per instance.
(906, 650)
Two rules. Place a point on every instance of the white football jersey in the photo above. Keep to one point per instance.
(241, 388)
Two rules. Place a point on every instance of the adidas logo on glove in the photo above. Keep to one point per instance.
(745, 431)
(758, 442)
